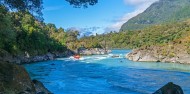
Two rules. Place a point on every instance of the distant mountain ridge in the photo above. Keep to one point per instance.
(163, 11)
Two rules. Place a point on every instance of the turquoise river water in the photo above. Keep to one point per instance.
(103, 74)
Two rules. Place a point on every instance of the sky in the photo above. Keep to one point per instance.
(105, 16)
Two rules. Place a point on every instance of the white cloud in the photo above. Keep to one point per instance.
(87, 31)
(140, 6)
(138, 2)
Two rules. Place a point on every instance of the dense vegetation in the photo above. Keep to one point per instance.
(163, 11)
(172, 34)
(20, 32)
(22, 28)
(163, 23)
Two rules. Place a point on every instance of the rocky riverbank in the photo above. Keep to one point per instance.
(14, 79)
(93, 51)
(159, 54)
(26, 58)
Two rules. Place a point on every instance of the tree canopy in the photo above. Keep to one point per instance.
(21, 30)
(84, 3)
(35, 6)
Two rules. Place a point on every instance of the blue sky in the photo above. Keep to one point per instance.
(105, 16)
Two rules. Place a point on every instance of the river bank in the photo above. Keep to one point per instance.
(106, 75)
(14, 79)
(26, 58)
(93, 51)
(160, 54)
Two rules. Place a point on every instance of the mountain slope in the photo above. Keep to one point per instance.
(163, 11)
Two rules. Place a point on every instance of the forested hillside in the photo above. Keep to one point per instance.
(160, 35)
(21, 32)
(163, 11)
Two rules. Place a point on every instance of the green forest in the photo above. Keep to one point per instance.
(21, 32)
(158, 35)
(22, 29)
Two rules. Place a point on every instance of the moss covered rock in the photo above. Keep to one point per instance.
(14, 79)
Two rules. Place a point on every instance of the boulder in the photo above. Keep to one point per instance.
(148, 57)
(14, 79)
(161, 54)
(142, 56)
(169, 88)
(93, 51)
(136, 56)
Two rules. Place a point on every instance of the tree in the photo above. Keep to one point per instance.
(84, 3)
(21, 28)
(35, 6)
(7, 35)
(72, 35)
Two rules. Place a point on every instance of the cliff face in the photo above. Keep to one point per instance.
(15, 80)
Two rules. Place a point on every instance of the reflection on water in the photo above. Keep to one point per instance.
(107, 75)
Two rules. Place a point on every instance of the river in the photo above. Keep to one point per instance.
(103, 74)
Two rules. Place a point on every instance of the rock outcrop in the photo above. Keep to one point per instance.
(159, 54)
(26, 58)
(14, 79)
(92, 51)
(141, 56)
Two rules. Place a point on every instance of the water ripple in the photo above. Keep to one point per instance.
(106, 75)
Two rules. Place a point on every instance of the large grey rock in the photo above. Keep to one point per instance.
(148, 57)
(156, 55)
(142, 56)
(93, 51)
(137, 56)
